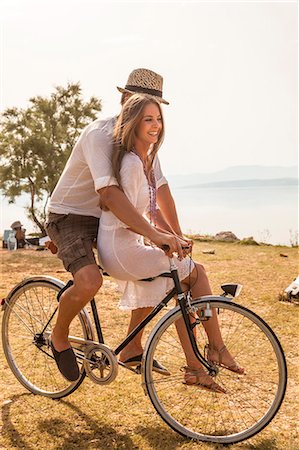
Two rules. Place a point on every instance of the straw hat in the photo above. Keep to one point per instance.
(16, 224)
(145, 81)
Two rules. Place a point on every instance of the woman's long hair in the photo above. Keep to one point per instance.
(124, 135)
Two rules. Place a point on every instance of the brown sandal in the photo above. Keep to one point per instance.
(202, 380)
(235, 367)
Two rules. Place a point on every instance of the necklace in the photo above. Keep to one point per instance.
(152, 190)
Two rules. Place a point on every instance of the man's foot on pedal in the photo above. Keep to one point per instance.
(157, 367)
(67, 363)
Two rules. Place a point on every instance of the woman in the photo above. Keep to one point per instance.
(138, 134)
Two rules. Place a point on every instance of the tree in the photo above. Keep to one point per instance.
(36, 142)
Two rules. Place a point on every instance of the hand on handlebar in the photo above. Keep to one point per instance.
(172, 244)
(187, 245)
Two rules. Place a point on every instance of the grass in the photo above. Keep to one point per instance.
(119, 415)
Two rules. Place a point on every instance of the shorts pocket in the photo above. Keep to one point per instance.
(72, 252)
(55, 219)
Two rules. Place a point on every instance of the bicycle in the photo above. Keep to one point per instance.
(251, 400)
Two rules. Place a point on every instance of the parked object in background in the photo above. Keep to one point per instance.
(32, 241)
(5, 238)
(11, 241)
(293, 289)
(44, 240)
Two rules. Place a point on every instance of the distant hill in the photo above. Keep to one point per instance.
(247, 183)
(235, 173)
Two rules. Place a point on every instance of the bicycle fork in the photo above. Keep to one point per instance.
(182, 303)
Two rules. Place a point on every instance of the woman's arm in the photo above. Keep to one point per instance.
(122, 204)
(168, 217)
(167, 205)
(161, 223)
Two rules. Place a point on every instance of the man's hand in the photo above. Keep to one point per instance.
(51, 246)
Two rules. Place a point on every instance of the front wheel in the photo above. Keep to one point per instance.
(251, 400)
(29, 317)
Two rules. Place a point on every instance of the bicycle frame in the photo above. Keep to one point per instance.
(34, 301)
(176, 291)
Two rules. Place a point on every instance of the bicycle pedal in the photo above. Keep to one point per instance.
(136, 370)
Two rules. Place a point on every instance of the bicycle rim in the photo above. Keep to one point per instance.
(251, 400)
(25, 316)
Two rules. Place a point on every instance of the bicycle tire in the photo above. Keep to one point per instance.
(29, 307)
(251, 400)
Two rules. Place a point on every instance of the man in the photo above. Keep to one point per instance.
(74, 212)
(19, 233)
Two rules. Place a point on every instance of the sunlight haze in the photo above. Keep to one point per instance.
(230, 75)
(229, 68)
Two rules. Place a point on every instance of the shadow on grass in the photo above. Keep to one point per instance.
(9, 429)
(68, 435)
(81, 431)
(159, 437)
(263, 444)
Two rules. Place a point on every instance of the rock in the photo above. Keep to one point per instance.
(201, 237)
(227, 236)
(283, 255)
(248, 241)
(209, 252)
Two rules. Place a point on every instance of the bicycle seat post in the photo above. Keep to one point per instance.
(175, 276)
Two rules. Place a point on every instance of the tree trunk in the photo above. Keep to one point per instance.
(32, 214)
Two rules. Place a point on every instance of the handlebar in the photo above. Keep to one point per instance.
(166, 247)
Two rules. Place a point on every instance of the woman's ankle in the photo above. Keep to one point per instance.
(130, 353)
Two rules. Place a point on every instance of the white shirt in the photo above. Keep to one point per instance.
(122, 252)
(87, 170)
(135, 186)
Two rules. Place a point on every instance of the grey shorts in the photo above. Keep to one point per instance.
(74, 236)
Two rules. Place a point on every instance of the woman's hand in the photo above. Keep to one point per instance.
(187, 249)
(171, 243)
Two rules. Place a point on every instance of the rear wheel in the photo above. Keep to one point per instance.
(28, 320)
(251, 400)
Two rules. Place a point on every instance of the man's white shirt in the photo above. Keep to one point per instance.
(88, 170)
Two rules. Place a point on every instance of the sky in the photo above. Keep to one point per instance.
(230, 70)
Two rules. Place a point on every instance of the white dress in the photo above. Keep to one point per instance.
(122, 252)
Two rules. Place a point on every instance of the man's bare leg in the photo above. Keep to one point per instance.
(87, 282)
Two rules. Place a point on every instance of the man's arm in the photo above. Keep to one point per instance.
(113, 198)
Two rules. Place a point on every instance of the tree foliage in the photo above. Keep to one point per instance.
(36, 142)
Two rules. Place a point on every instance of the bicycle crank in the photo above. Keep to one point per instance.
(100, 363)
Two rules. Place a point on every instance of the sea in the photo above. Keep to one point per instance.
(268, 213)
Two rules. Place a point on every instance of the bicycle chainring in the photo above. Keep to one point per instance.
(100, 363)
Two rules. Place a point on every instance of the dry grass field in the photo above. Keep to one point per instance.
(120, 416)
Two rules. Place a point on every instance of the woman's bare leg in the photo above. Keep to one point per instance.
(134, 347)
(200, 286)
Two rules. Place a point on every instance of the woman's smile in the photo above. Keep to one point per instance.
(150, 126)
